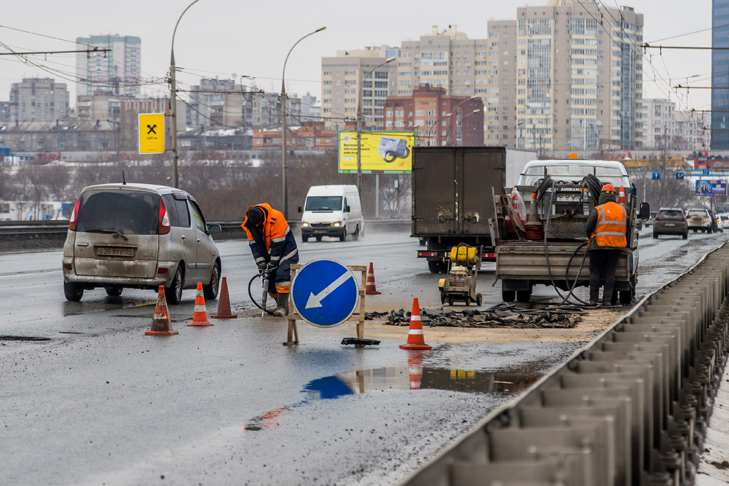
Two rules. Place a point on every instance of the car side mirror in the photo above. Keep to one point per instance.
(214, 228)
(301, 210)
(347, 209)
(645, 211)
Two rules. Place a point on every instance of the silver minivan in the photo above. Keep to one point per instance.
(138, 236)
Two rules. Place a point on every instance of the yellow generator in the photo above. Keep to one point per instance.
(464, 262)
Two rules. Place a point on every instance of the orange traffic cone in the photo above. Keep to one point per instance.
(416, 340)
(161, 325)
(415, 369)
(224, 311)
(371, 289)
(199, 313)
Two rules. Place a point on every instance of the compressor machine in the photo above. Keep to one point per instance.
(464, 262)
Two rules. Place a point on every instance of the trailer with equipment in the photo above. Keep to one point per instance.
(539, 230)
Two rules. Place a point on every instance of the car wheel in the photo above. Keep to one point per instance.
(211, 289)
(174, 291)
(73, 292)
(343, 236)
(685, 236)
(304, 239)
(655, 236)
(318, 238)
(114, 291)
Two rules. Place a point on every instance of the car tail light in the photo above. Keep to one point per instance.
(164, 218)
(427, 254)
(73, 221)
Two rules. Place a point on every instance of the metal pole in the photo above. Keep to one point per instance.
(377, 196)
(173, 101)
(284, 130)
(284, 127)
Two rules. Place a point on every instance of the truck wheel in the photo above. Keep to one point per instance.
(626, 297)
(479, 300)
(508, 295)
(435, 266)
(343, 236)
(73, 292)
(655, 236)
(523, 296)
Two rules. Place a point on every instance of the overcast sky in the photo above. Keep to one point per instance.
(226, 37)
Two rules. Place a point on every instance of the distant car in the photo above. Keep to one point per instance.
(138, 236)
(723, 219)
(670, 221)
(699, 219)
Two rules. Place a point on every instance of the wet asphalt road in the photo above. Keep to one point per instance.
(100, 403)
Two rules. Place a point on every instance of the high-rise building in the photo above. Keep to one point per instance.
(579, 76)
(349, 72)
(221, 103)
(38, 100)
(436, 117)
(484, 68)
(658, 124)
(116, 72)
(691, 131)
(310, 108)
(720, 75)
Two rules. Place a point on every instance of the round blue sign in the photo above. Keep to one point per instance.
(324, 293)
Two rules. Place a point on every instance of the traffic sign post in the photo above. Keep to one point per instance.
(325, 294)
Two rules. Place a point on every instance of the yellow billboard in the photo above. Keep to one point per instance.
(388, 152)
(151, 129)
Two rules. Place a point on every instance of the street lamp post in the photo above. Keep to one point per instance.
(284, 127)
(359, 135)
(173, 101)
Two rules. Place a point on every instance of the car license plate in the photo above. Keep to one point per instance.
(670, 225)
(114, 251)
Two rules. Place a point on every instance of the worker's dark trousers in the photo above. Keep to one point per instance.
(603, 264)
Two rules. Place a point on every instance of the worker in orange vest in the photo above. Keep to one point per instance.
(607, 229)
(274, 249)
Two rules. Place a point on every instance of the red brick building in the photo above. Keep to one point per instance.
(310, 135)
(437, 119)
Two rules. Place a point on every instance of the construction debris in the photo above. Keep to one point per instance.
(533, 316)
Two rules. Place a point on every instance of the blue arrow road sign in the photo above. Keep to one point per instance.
(324, 293)
(655, 175)
(679, 174)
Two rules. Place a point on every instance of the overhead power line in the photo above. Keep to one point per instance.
(680, 86)
(690, 48)
(41, 53)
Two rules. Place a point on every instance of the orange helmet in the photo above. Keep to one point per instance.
(608, 189)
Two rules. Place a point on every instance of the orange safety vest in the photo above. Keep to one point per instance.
(612, 226)
(275, 227)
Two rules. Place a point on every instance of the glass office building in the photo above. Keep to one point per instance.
(720, 76)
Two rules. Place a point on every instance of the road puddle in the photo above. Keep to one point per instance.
(411, 378)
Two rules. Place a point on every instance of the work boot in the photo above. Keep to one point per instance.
(282, 301)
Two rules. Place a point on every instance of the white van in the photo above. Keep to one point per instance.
(332, 211)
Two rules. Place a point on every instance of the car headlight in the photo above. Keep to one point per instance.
(337, 224)
(305, 225)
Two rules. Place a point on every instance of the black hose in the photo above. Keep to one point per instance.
(250, 295)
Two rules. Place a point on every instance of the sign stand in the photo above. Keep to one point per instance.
(292, 335)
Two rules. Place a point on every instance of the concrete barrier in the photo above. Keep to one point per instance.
(629, 408)
(32, 235)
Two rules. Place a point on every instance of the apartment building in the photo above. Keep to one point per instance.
(38, 100)
(116, 72)
(365, 71)
(436, 117)
(691, 131)
(658, 124)
(579, 77)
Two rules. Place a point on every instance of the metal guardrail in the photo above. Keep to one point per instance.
(56, 230)
(629, 408)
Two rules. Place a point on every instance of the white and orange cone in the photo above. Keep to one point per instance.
(416, 339)
(200, 312)
(371, 288)
(161, 324)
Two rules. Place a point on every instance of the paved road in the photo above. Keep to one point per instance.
(102, 404)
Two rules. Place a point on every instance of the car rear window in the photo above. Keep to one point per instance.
(697, 212)
(670, 214)
(131, 212)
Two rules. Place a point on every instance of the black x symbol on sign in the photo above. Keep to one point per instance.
(152, 129)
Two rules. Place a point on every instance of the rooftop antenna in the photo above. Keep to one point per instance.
(124, 178)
